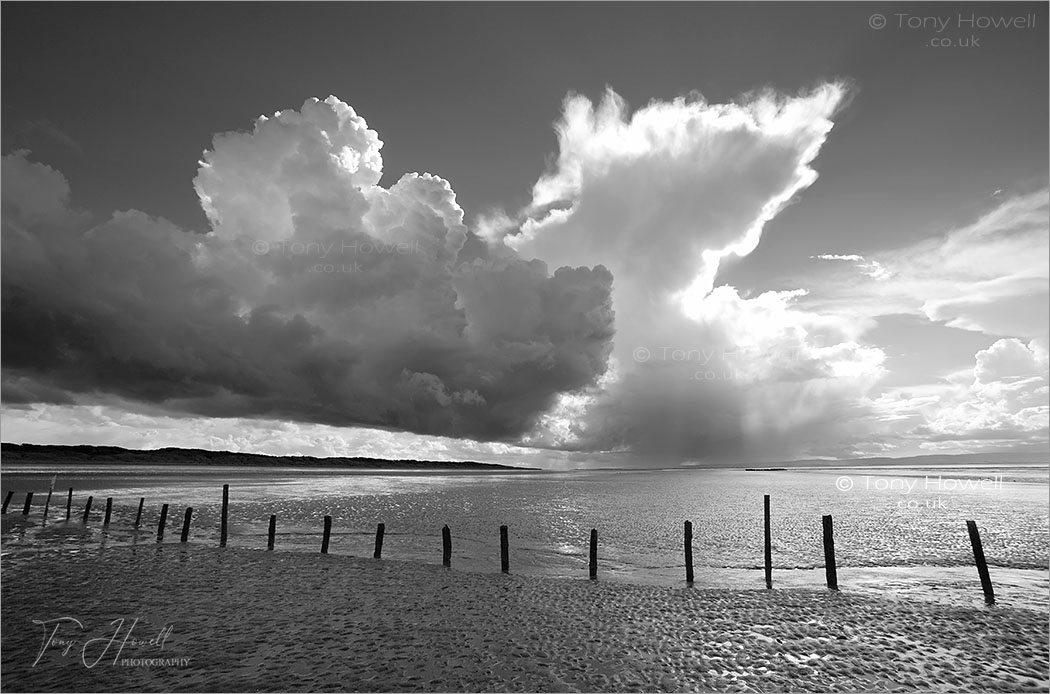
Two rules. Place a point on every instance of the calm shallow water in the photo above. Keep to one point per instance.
(909, 522)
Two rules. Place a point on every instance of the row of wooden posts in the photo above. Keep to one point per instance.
(831, 574)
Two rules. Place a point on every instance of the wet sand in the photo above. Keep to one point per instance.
(230, 619)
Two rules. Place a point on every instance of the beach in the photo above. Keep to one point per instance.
(193, 618)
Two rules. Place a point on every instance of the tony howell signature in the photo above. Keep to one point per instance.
(60, 633)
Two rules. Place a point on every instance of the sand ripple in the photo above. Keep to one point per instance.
(257, 621)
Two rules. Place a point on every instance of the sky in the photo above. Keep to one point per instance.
(546, 234)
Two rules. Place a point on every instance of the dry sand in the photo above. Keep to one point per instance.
(264, 621)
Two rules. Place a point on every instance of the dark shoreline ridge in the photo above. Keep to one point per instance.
(14, 453)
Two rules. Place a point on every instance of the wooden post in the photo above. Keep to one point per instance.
(446, 546)
(504, 550)
(380, 531)
(186, 524)
(769, 544)
(29, 502)
(327, 534)
(982, 565)
(69, 503)
(47, 504)
(138, 516)
(87, 509)
(160, 525)
(225, 513)
(109, 510)
(594, 553)
(829, 555)
(688, 551)
(272, 533)
(7, 500)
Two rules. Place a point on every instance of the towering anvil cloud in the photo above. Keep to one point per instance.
(663, 197)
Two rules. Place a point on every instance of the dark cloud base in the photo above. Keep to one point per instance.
(389, 327)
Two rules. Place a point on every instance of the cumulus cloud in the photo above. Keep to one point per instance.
(317, 295)
(299, 171)
(1004, 399)
(663, 197)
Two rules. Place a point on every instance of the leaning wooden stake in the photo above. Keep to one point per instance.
(87, 508)
(688, 551)
(380, 531)
(163, 520)
(769, 545)
(29, 502)
(7, 500)
(504, 549)
(225, 513)
(446, 546)
(982, 565)
(829, 555)
(109, 510)
(327, 534)
(138, 516)
(186, 524)
(594, 554)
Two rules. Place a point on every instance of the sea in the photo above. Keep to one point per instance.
(898, 532)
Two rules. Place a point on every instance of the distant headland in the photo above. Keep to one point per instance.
(15, 453)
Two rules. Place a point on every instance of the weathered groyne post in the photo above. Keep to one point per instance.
(982, 564)
(446, 546)
(69, 504)
(688, 551)
(29, 502)
(138, 516)
(87, 509)
(327, 534)
(829, 555)
(272, 533)
(225, 513)
(504, 549)
(594, 554)
(768, 543)
(160, 524)
(186, 524)
(109, 511)
(7, 500)
(380, 531)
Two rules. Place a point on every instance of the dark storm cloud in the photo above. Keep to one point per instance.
(317, 295)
